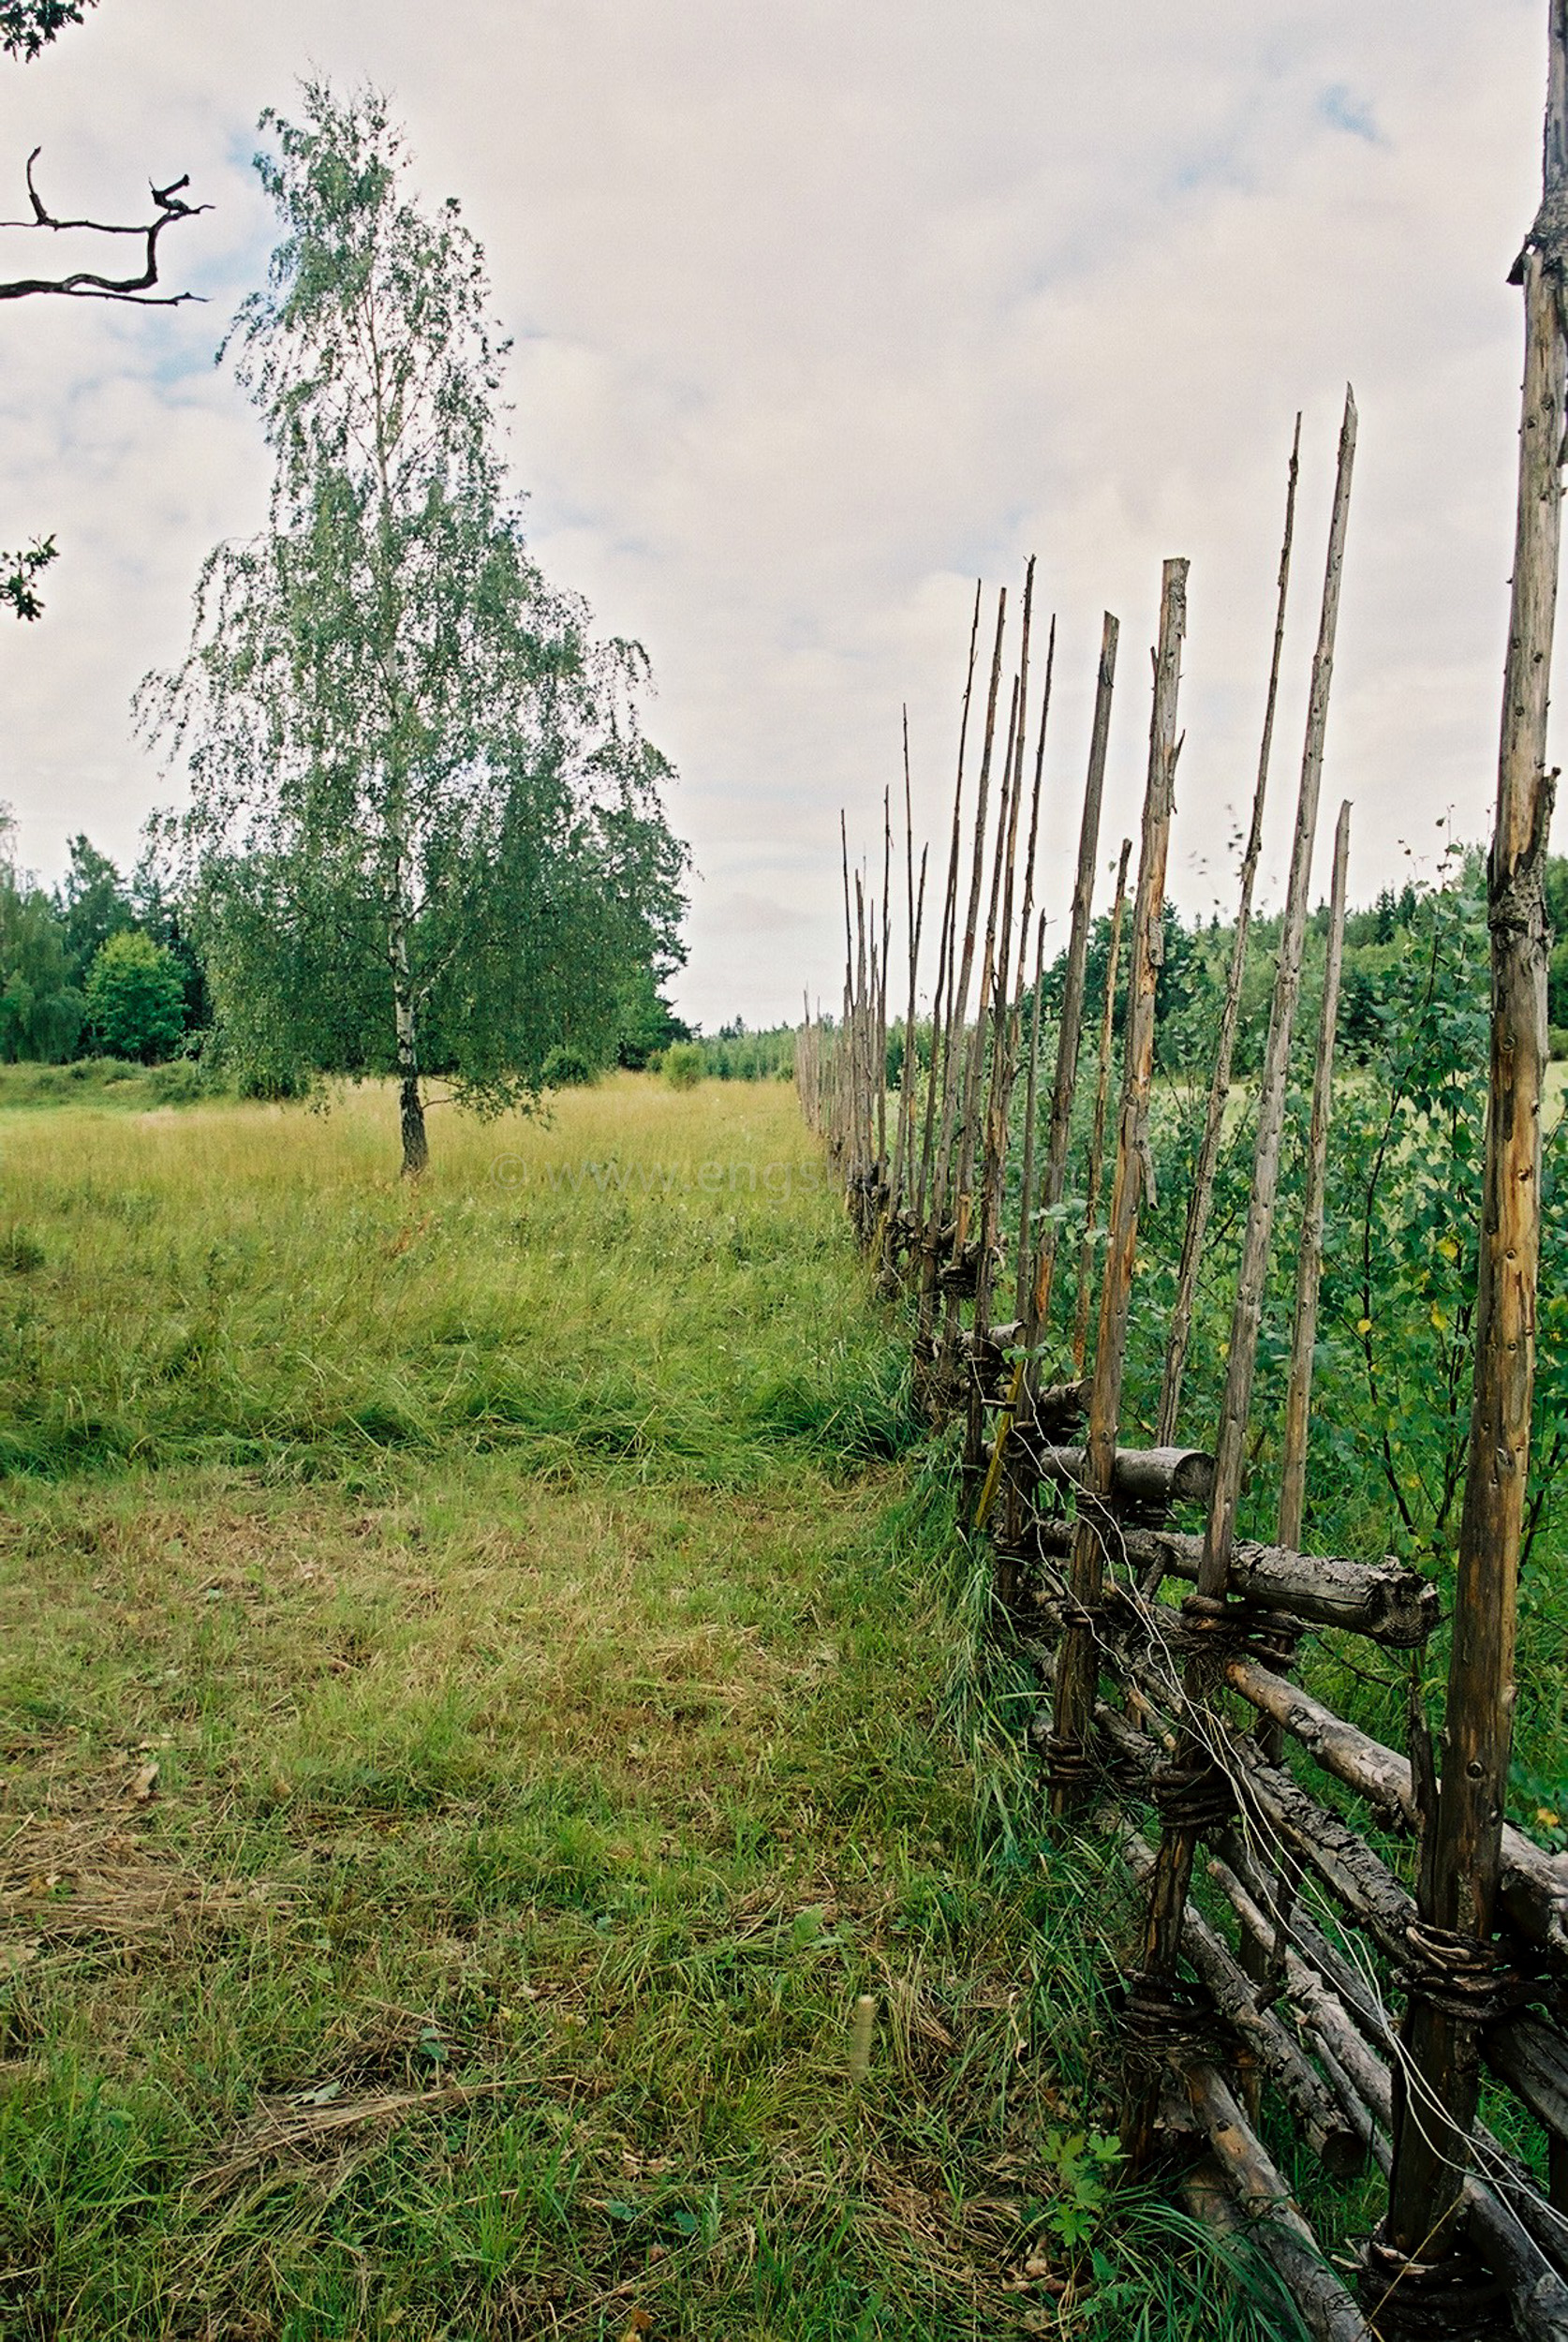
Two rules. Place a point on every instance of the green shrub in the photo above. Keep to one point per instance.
(1557, 1040)
(683, 1065)
(136, 998)
(565, 1069)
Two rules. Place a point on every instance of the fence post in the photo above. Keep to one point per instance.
(1454, 1979)
(1077, 1667)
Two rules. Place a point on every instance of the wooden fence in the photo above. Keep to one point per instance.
(1176, 1726)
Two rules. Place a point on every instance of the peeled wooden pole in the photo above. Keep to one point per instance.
(1076, 1672)
(1027, 914)
(1237, 1405)
(1206, 1608)
(1003, 1012)
(881, 1069)
(1273, 2222)
(1461, 1879)
(957, 1014)
(1101, 1099)
(1308, 1268)
(946, 941)
(991, 1133)
(1173, 608)
(1032, 1094)
(1219, 1082)
(903, 1135)
(1532, 1885)
(1037, 1299)
(1008, 1036)
(1004, 1061)
(862, 1087)
(970, 1136)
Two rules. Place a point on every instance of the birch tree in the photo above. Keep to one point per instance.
(426, 832)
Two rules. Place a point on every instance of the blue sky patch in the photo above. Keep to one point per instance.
(1339, 106)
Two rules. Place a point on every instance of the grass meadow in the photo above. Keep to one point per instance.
(503, 1829)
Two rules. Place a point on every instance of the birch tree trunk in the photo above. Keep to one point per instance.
(416, 1148)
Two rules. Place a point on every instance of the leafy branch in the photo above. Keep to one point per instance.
(28, 27)
(18, 575)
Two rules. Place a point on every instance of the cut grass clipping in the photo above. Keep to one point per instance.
(504, 1830)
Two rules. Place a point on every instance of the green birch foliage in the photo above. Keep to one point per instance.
(424, 811)
(136, 1000)
(28, 27)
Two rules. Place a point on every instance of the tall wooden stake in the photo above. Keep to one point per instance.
(1068, 1036)
(969, 1125)
(957, 1015)
(1206, 1608)
(1071, 1028)
(1219, 1082)
(1038, 1296)
(1230, 1451)
(1102, 1100)
(882, 992)
(945, 945)
(1016, 1015)
(1031, 1093)
(1077, 1666)
(908, 1084)
(1460, 1867)
(1002, 1037)
(1309, 1267)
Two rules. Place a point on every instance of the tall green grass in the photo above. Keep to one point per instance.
(492, 1686)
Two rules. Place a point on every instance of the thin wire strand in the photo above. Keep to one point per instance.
(1269, 1849)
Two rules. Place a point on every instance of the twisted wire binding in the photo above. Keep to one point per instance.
(1270, 1851)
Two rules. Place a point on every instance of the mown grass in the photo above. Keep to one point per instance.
(491, 1688)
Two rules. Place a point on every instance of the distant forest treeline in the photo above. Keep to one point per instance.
(1384, 945)
(105, 966)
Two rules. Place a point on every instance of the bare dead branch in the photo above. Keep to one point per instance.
(87, 283)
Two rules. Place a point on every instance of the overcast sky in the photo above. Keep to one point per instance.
(821, 311)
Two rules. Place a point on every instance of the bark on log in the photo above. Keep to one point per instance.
(1534, 2061)
(1147, 1479)
(1382, 1600)
(1277, 2225)
(1322, 1843)
(1276, 2052)
(1533, 1885)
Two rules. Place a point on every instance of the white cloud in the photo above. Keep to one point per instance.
(819, 313)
